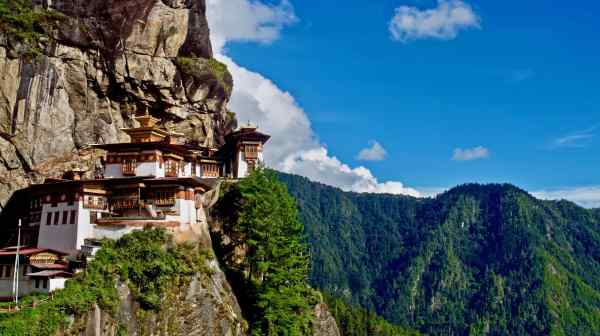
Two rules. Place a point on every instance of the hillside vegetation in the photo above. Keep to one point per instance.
(477, 260)
(147, 261)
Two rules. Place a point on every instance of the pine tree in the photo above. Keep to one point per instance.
(277, 259)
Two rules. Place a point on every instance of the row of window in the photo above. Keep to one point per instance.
(68, 217)
(41, 282)
(6, 271)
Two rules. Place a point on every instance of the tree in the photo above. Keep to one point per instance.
(276, 262)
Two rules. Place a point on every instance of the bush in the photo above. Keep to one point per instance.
(20, 21)
(148, 261)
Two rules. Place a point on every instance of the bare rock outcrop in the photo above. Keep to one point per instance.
(107, 61)
(324, 323)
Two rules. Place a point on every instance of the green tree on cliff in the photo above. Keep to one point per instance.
(277, 262)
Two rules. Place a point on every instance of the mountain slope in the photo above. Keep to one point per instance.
(475, 260)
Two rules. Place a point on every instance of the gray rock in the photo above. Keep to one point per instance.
(110, 60)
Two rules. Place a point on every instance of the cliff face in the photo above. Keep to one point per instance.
(206, 306)
(107, 61)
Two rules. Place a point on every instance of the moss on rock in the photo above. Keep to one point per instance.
(206, 69)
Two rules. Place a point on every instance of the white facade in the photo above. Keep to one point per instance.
(115, 170)
(28, 285)
(242, 164)
(186, 210)
(59, 233)
(65, 236)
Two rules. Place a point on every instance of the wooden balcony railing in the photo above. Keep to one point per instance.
(128, 168)
(165, 201)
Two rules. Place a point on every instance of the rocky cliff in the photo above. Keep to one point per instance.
(106, 61)
(205, 306)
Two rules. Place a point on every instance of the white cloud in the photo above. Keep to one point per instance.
(588, 197)
(574, 140)
(247, 20)
(375, 152)
(443, 22)
(470, 154)
(294, 147)
(319, 166)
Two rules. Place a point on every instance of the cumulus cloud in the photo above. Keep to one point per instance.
(247, 20)
(375, 152)
(294, 147)
(443, 22)
(588, 197)
(470, 154)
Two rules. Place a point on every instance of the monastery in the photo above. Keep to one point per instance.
(155, 180)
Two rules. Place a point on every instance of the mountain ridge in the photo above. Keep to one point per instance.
(477, 259)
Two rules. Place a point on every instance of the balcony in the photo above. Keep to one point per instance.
(128, 168)
(165, 201)
(125, 204)
(95, 206)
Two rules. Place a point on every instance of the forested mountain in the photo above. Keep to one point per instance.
(476, 260)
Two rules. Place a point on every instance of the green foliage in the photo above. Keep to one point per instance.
(147, 261)
(356, 321)
(275, 267)
(476, 260)
(206, 69)
(21, 21)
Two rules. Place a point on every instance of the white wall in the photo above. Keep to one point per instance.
(242, 166)
(27, 284)
(113, 232)
(150, 169)
(187, 169)
(85, 229)
(56, 283)
(62, 237)
(113, 170)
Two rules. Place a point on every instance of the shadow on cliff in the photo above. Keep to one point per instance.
(16, 208)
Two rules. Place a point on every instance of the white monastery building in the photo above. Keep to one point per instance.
(152, 181)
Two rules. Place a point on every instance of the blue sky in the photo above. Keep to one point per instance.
(509, 94)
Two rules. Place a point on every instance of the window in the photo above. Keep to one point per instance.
(56, 217)
(73, 217)
(251, 151)
(49, 218)
(210, 170)
(129, 166)
(171, 168)
(65, 217)
(7, 271)
(165, 198)
(45, 283)
(37, 283)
